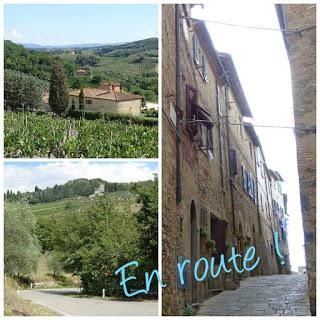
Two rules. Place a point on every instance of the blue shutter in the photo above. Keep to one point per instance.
(243, 178)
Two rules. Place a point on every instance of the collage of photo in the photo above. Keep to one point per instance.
(159, 159)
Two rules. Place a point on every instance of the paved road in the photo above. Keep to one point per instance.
(58, 301)
(277, 295)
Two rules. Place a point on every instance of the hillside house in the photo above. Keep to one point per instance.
(81, 72)
(109, 97)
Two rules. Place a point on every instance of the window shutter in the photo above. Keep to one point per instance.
(210, 140)
(233, 162)
(248, 182)
(204, 67)
(191, 110)
(195, 50)
(243, 177)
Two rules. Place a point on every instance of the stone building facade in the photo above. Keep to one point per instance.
(280, 218)
(209, 183)
(301, 49)
(269, 263)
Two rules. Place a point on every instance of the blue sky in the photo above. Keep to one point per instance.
(57, 24)
(25, 175)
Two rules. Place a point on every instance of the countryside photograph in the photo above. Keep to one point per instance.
(86, 87)
(68, 226)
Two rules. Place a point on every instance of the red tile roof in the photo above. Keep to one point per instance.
(105, 95)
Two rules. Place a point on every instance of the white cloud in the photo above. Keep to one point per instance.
(13, 35)
(21, 177)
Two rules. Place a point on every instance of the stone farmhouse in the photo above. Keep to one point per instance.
(216, 190)
(109, 97)
(81, 72)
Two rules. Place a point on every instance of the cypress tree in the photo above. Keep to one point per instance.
(81, 100)
(58, 93)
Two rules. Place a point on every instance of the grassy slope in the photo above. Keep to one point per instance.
(124, 199)
(16, 306)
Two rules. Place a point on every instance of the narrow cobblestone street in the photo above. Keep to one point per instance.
(277, 295)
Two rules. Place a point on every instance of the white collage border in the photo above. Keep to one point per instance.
(159, 160)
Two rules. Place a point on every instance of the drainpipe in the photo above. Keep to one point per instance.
(178, 105)
(219, 137)
(230, 179)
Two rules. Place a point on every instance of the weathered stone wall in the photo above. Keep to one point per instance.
(302, 56)
(200, 177)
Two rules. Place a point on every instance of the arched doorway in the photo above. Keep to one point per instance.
(194, 254)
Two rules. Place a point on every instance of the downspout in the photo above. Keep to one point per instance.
(219, 136)
(257, 192)
(257, 204)
(230, 179)
(178, 105)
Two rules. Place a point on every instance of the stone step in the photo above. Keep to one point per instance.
(214, 292)
(195, 305)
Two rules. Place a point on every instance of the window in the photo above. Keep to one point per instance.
(249, 184)
(191, 112)
(250, 145)
(219, 100)
(203, 68)
(241, 127)
(206, 143)
(185, 29)
(173, 114)
(196, 55)
(233, 162)
(199, 121)
(244, 180)
(88, 101)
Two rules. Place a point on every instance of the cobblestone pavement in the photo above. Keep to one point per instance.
(276, 295)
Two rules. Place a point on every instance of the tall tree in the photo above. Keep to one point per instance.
(81, 100)
(21, 246)
(58, 94)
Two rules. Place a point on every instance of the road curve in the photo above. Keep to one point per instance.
(58, 301)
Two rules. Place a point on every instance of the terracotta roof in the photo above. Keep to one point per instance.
(105, 95)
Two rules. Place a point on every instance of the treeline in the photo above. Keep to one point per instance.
(71, 189)
(35, 63)
(93, 244)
